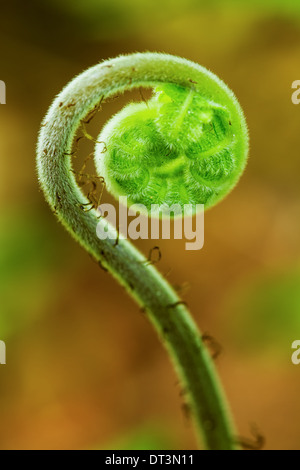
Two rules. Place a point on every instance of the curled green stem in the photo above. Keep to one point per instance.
(171, 318)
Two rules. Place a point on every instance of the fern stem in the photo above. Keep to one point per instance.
(162, 305)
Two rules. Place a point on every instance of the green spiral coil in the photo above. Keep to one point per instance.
(179, 148)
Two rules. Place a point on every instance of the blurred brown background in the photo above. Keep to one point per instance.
(84, 368)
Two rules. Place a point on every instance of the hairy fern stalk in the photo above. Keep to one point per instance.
(189, 146)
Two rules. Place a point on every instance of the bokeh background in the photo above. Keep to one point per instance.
(84, 367)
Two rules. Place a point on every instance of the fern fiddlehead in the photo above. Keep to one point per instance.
(180, 149)
(207, 164)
